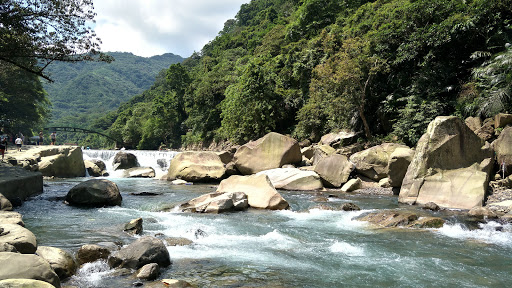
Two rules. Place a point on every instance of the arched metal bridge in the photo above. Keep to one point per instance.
(81, 130)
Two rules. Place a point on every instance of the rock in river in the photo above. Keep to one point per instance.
(95, 193)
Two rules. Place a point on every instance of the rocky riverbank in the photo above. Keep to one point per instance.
(452, 167)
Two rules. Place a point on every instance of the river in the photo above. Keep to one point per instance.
(300, 247)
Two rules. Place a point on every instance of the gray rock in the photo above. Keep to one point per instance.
(271, 151)
(149, 272)
(91, 252)
(259, 190)
(351, 185)
(17, 184)
(24, 283)
(349, 207)
(27, 266)
(134, 227)
(95, 193)
(124, 160)
(61, 261)
(217, 202)
(139, 172)
(19, 237)
(193, 166)
(373, 162)
(398, 163)
(5, 204)
(62, 161)
(293, 179)
(334, 170)
(143, 251)
(11, 217)
(451, 167)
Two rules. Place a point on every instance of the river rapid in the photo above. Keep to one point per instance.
(300, 247)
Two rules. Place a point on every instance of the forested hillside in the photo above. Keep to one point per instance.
(307, 67)
(84, 91)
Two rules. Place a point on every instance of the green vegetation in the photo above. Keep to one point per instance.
(82, 92)
(34, 34)
(309, 67)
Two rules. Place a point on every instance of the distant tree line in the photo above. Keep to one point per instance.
(309, 67)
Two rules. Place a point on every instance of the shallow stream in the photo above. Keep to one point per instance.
(301, 247)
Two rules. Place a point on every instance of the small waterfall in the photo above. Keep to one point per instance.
(159, 160)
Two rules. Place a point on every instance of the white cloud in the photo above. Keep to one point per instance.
(153, 27)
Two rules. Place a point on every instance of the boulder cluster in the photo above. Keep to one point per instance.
(26, 264)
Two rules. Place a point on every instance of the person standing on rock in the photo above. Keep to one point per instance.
(53, 137)
(41, 138)
(18, 142)
(3, 146)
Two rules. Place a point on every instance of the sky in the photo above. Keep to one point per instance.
(154, 27)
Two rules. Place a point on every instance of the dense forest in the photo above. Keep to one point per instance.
(307, 67)
(82, 92)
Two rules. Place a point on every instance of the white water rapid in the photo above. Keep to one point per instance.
(158, 160)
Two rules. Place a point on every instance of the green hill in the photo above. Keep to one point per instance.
(385, 68)
(86, 90)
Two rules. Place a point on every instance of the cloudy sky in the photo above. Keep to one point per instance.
(154, 27)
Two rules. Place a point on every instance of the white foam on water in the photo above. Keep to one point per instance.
(343, 220)
(347, 249)
(487, 233)
(91, 274)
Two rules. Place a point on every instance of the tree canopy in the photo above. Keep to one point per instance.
(384, 68)
(35, 33)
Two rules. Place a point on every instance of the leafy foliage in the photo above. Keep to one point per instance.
(308, 67)
(494, 78)
(23, 102)
(35, 33)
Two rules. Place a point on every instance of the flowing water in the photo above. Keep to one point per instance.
(300, 247)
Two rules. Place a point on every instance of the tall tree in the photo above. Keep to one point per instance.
(35, 33)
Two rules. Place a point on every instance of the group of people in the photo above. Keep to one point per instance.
(53, 138)
(20, 139)
(4, 143)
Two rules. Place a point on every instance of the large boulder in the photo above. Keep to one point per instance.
(17, 184)
(486, 131)
(61, 261)
(474, 123)
(271, 151)
(21, 238)
(320, 152)
(339, 139)
(373, 162)
(124, 160)
(293, 179)
(451, 167)
(390, 219)
(196, 167)
(398, 163)
(334, 170)
(139, 172)
(5, 204)
(91, 252)
(501, 120)
(217, 202)
(503, 148)
(11, 217)
(26, 266)
(96, 167)
(95, 193)
(65, 161)
(24, 283)
(258, 188)
(142, 251)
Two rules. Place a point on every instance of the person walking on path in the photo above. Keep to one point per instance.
(3, 146)
(53, 137)
(18, 142)
(41, 138)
